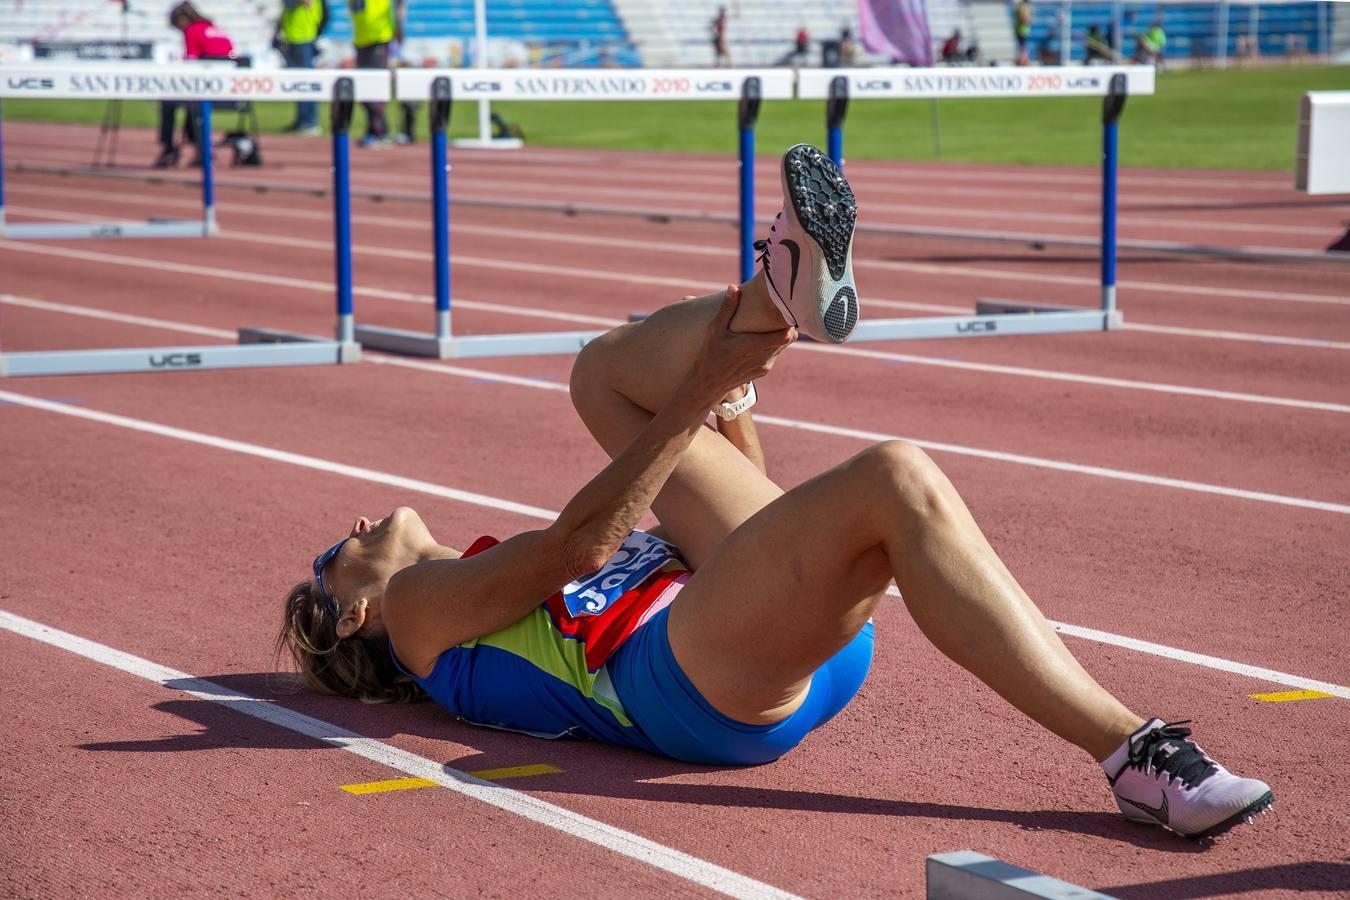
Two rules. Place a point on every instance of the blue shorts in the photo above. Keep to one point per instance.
(662, 702)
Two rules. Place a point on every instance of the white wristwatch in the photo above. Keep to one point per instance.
(728, 411)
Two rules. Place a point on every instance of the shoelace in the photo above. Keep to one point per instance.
(763, 247)
(1186, 762)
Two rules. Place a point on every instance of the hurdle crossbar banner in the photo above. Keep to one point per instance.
(1002, 317)
(996, 82)
(193, 82)
(594, 84)
(440, 86)
(257, 347)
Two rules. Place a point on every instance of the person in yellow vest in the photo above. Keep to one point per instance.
(375, 24)
(299, 26)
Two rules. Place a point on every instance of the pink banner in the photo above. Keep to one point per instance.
(896, 28)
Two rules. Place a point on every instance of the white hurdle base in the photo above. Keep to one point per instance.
(77, 230)
(506, 143)
(967, 875)
(993, 318)
(415, 343)
(312, 352)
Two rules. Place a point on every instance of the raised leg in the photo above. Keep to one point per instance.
(786, 590)
(620, 379)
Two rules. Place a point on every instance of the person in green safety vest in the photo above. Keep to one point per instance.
(375, 25)
(298, 27)
(1151, 44)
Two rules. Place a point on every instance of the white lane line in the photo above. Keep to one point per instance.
(286, 281)
(529, 186)
(89, 312)
(549, 515)
(1245, 336)
(1248, 337)
(799, 424)
(1020, 371)
(815, 427)
(518, 803)
(722, 252)
(295, 459)
(1203, 659)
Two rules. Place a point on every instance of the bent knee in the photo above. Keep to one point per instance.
(904, 473)
(588, 378)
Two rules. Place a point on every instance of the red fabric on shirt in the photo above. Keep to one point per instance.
(202, 40)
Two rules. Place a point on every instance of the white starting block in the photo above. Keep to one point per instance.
(1324, 143)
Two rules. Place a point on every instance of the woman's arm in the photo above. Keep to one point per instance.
(441, 603)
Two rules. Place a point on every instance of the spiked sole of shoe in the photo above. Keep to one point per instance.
(824, 205)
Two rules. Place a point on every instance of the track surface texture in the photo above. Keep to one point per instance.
(1184, 482)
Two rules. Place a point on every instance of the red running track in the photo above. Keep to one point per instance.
(133, 788)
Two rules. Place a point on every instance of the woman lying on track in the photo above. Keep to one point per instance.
(746, 621)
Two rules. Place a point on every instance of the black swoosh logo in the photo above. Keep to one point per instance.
(796, 261)
(1157, 812)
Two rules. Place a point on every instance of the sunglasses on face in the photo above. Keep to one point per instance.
(319, 562)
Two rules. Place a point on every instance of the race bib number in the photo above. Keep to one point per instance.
(635, 561)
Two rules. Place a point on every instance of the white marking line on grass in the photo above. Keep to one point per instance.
(723, 252)
(547, 515)
(509, 800)
(890, 356)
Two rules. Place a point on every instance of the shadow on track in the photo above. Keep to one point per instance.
(588, 769)
(1309, 876)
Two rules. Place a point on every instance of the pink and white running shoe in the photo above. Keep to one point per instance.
(1164, 778)
(808, 256)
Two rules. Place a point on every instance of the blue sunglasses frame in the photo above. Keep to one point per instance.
(319, 562)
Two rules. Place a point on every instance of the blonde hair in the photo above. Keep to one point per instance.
(356, 666)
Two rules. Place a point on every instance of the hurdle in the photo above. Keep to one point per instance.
(993, 317)
(443, 86)
(257, 346)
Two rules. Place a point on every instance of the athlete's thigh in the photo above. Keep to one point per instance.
(779, 597)
(712, 491)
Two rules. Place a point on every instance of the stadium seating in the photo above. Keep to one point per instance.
(664, 33)
(574, 32)
(1192, 29)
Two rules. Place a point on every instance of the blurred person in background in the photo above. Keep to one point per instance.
(800, 52)
(201, 40)
(951, 48)
(375, 25)
(1151, 44)
(848, 49)
(298, 27)
(721, 53)
(1022, 16)
(1098, 47)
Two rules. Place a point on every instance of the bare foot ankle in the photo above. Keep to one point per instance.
(757, 312)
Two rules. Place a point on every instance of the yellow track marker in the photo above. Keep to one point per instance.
(1285, 696)
(393, 784)
(403, 784)
(514, 772)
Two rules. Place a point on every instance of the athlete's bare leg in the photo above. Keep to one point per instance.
(621, 378)
(783, 581)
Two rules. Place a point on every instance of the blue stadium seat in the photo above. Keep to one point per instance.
(1192, 29)
(585, 32)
